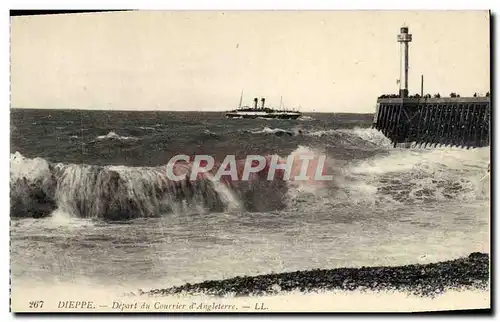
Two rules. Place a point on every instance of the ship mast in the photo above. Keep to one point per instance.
(281, 103)
(241, 99)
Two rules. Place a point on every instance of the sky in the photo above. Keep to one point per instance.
(320, 61)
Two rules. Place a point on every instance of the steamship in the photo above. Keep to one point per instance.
(247, 112)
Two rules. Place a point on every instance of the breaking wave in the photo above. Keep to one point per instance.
(113, 136)
(402, 176)
(39, 187)
(147, 128)
(369, 135)
(275, 131)
(419, 176)
(305, 118)
(359, 138)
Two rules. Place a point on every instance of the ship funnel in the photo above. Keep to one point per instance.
(255, 101)
(263, 100)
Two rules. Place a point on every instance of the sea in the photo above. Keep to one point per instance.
(385, 206)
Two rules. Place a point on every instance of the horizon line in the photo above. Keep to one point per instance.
(177, 111)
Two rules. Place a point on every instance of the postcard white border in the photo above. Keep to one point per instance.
(183, 5)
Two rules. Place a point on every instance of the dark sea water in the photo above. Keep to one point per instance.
(385, 206)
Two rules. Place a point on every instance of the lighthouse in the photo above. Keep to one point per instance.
(404, 38)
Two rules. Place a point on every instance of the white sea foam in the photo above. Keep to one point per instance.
(114, 136)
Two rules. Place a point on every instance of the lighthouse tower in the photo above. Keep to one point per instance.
(404, 38)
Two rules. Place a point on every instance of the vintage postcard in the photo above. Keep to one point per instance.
(250, 161)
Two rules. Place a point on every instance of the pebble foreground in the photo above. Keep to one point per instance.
(471, 272)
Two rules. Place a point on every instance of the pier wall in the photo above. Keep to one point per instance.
(451, 121)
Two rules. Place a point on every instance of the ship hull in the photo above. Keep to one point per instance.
(280, 116)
